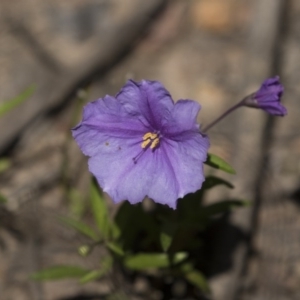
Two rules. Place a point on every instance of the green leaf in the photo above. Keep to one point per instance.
(142, 261)
(132, 220)
(212, 181)
(195, 277)
(77, 203)
(80, 227)
(218, 163)
(165, 240)
(114, 247)
(107, 264)
(4, 164)
(115, 231)
(11, 104)
(2, 199)
(198, 279)
(92, 275)
(223, 206)
(59, 272)
(167, 234)
(100, 211)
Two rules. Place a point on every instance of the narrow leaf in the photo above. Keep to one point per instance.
(218, 163)
(100, 211)
(195, 277)
(11, 104)
(91, 276)
(59, 272)
(80, 227)
(107, 263)
(198, 279)
(114, 247)
(77, 203)
(144, 261)
(165, 241)
(223, 206)
(212, 181)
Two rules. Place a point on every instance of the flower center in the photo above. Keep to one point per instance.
(151, 139)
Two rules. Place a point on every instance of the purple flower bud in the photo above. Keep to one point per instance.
(268, 97)
(141, 143)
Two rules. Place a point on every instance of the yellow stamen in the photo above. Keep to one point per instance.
(149, 135)
(145, 143)
(154, 143)
(148, 138)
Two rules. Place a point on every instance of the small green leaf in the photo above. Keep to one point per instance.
(223, 206)
(115, 231)
(212, 181)
(59, 272)
(11, 104)
(165, 240)
(4, 164)
(91, 276)
(114, 247)
(100, 211)
(198, 279)
(167, 234)
(218, 163)
(80, 227)
(144, 261)
(2, 199)
(107, 264)
(77, 203)
(195, 277)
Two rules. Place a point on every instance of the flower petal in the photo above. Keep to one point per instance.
(104, 120)
(142, 144)
(268, 97)
(149, 99)
(179, 170)
(120, 177)
(183, 118)
(274, 108)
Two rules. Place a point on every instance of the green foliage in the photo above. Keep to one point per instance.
(195, 277)
(162, 239)
(218, 163)
(77, 203)
(59, 272)
(212, 181)
(106, 266)
(115, 248)
(100, 211)
(81, 228)
(142, 261)
(221, 207)
(13, 103)
(165, 240)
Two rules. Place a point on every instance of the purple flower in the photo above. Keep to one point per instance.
(268, 97)
(142, 144)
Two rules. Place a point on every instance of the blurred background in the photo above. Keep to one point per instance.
(212, 51)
